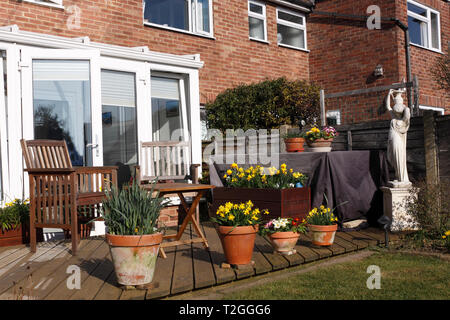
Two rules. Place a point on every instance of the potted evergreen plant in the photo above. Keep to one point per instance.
(294, 142)
(283, 233)
(131, 218)
(237, 225)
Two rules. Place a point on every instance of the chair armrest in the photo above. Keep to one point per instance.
(50, 171)
(95, 169)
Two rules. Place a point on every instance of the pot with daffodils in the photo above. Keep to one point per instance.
(323, 225)
(237, 225)
(131, 218)
(283, 233)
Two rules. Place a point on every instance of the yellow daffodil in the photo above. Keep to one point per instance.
(229, 172)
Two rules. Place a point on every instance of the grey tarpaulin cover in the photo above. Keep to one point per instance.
(353, 176)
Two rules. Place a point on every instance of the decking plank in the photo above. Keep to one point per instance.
(304, 251)
(203, 269)
(353, 239)
(347, 245)
(364, 237)
(293, 259)
(46, 277)
(335, 248)
(276, 260)
(322, 252)
(374, 233)
(87, 266)
(25, 267)
(135, 294)
(110, 289)
(5, 251)
(217, 255)
(183, 275)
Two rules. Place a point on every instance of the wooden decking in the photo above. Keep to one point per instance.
(44, 274)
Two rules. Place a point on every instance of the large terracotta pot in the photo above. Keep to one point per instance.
(238, 243)
(284, 242)
(319, 143)
(294, 144)
(134, 257)
(323, 235)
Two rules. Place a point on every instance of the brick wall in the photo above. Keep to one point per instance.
(230, 59)
(342, 59)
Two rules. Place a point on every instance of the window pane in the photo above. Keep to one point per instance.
(171, 13)
(417, 10)
(291, 36)
(418, 32)
(435, 31)
(256, 28)
(119, 118)
(256, 8)
(203, 15)
(62, 105)
(290, 17)
(166, 109)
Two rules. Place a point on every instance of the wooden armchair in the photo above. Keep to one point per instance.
(167, 161)
(60, 194)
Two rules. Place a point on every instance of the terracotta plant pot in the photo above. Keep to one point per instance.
(238, 243)
(284, 242)
(134, 257)
(320, 143)
(323, 235)
(294, 144)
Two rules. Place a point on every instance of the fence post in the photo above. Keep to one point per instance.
(323, 116)
(431, 152)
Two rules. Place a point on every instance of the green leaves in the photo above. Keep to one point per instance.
(264, 105)
(15, 213)
(132, 210)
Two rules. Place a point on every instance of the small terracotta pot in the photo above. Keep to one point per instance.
(294, 144)
(238, 243)
(323, 235)
(284, 242)
(134, 257)
(319, 143)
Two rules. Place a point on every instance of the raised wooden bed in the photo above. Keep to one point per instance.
(293, 202)
(19, 235)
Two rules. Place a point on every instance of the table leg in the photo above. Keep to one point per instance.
(190, 216)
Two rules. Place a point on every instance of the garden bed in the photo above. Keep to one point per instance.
(18, 235)
(291, 202)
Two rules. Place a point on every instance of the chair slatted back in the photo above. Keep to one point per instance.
(46, 154)
(164, 160)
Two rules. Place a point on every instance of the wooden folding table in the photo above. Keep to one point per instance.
(180, 189)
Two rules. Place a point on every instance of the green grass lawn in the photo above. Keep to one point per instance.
(403, 276)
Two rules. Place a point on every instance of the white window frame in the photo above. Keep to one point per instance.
(48, 3)
(292, 25)
(426, 20)
(258, 16)
(336, 114)
(441, 111)
(193, 23)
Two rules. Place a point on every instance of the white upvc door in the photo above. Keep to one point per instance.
(127, 112)
(61, 99)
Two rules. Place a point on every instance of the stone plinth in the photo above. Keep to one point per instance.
(394, 205)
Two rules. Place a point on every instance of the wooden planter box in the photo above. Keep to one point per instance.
(293, 202)
(20, 235)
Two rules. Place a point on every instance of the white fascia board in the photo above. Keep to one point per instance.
(10, 34)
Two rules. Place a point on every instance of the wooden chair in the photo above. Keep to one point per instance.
(167, 161)
(60, 194)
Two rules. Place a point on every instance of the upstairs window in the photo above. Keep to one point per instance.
(50, 3)
(291, 29)
(194, 16)
(257, 21)
(424, 26)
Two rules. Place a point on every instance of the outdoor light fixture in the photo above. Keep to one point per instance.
(378, 72)
(385, 221)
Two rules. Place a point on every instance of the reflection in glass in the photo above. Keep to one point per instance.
(291, 36)
(62, 105)
(418, 31)
(119, 118)
(256, 27)
(166, 109)
(171, 13)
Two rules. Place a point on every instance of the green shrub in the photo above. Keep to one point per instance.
(14, 213)
(264, 105)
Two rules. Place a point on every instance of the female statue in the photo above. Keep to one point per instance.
(396, 149)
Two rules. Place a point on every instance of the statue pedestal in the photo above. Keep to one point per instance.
(394, 201)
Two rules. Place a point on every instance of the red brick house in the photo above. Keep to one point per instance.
(117, 72)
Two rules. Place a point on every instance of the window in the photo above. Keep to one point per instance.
(291, 29)
(257, 21)
(50, 3)
(441, 111)
(424, 26)
(194, 16)
(334, 117)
